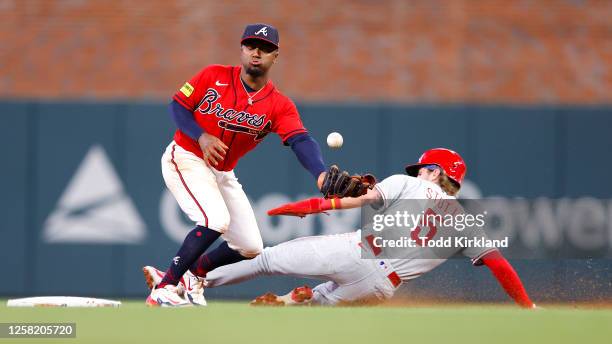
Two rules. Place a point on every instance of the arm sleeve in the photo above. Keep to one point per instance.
(308, 153)
(507, 277)
(184, 120)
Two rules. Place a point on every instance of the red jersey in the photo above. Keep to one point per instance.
(221, 106)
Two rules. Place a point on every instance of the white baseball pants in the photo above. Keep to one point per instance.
(211, 198)
(335, 258)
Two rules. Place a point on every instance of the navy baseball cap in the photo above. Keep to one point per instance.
(264, 32)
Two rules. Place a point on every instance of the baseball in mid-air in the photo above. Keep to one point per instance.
(334, 140)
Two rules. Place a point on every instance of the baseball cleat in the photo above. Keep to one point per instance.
(194, 288)
(150, 302)
(166, 297)
(297, 297)
(300, 295)
(154, 276)
(267, 299)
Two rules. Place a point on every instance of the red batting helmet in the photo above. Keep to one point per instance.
(450, 161)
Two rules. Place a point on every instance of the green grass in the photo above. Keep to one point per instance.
(230, 322)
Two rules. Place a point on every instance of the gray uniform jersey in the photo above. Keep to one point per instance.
(400, 191)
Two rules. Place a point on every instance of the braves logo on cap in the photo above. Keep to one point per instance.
(263, 32)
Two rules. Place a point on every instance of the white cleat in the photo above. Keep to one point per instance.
(166, 297)
(191, 287)
(154, 276)
(194, 289)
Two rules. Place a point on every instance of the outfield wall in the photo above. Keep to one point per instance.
(84, 206)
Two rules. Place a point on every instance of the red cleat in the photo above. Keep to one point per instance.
(297, 297)
(301, 294)
(267, 299)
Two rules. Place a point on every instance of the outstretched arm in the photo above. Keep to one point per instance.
(333, 182)
(308, 152)
(507, 277)
(319, 205)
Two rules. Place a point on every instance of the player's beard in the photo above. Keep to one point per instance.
(254, 71)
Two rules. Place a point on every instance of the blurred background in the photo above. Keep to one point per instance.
(522, 89)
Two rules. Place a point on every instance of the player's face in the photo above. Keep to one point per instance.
(429, 175)
(257, 56)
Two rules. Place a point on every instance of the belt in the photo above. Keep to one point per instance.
(395, 279)
(392, 276)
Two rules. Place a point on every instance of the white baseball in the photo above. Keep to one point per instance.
(334, 140)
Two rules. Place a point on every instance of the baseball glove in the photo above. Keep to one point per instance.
(341, 184)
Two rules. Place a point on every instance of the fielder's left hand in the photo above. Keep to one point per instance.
(341, 184)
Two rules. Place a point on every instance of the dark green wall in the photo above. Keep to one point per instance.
(510, 151)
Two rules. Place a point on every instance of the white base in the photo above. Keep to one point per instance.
(61, 301)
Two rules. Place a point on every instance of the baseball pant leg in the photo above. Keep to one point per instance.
(319, 257)
(372, 289)
(243, 233)
(194, 186)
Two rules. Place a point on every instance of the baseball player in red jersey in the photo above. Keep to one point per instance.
(339, 258)
(222, 113)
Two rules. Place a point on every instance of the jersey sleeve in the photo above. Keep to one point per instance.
(392, 188)
(287, 121)
(192, 91)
